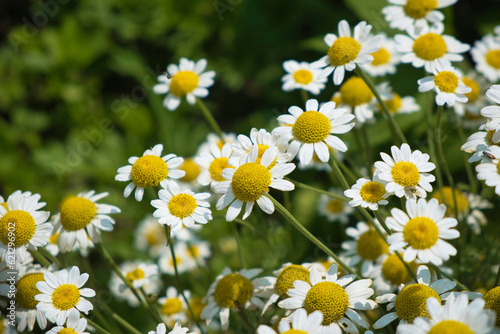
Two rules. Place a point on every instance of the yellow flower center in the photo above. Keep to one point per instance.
(197, 305)
(411, 301)
(149, 170)
(191, 168)
(20, 223)
(335, 206)
(447, 193)
(446, 81)
(183, 82)
(493, 58)
(418, 9)
(430, 46)
(294, 331)
(450, 327)
(475, 93)
(250, 181)
(67, 331)
(233, 290)
(337, 98)
(489, 138)
(311, 127)
(371, 245)
(262, 149)
(329, 298)
(65, 297)
(171, 306)
(134, 275)
(394, 104)
(303, 76)
(395, 272)
(355, 92)
(53, 238)
(153, 237)
(77, 212)
(405, 174)
(288, 275)
(421, 233)
(216, 168)
(182, 205)
(4, 204)
(372, 192)
(381, 57)
(343, 51)
(26, 290)
(492, 302)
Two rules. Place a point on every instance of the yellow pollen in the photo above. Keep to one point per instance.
(182, 205)
(418, 9)
(26, 290)
(262, 149)
(343, 51)
(421, 233)
(233, 290)
(430, 46)
(395, 272)
(303, 76)
(355, 92)
(288, 275)
(446, 81)
(194, 251)
(148, 171)
(171, 306)
(405, 174)
(329, 298)
(492, 302)
(381, 57)
(411, 301)
(371, 245)
(53, 238)
(20, 223)
(474, 94)
(250, 181)
(447, 193)
(67, 331)
(134, 275)
(335, 206)
(216, 167)
(493, 59)
(4, 204)
(197, 305)
(77, 213)
(294, 331)
(311, 127)
(372, 192)
(450, 327)
(489, 138)
(191, 168)
(394, 104)
(65, 297)
(183, 82)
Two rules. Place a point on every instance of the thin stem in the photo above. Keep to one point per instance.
(208, 116)
(468, 166)
(99, 328)
(368, 149)
(40, 258)
(394, 126)
(238, 243)
(304, 94)
(319, 191)
(115, 316)
(49, 256)
(344, 168)
(292, 220)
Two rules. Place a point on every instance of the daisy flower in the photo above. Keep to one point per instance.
(183, 258)
(150, 237)
(345, 52)
(150, 170)
(178, 329)
(249, 181)
(319, 165)
(198, 250)
(368, 194)
(385, 59)
(75, 325)
(479, 142)
(448, 84)
(61, 292)
(334, 209)
(192, 170)
(492, 302)
(422, 231)
(337, 299)
(232, 291)
(187, 80)
(428, 47)
(302, 323)
(302, 76)
(263, 140)
(486, 55)
(397, 104)
(456, 316)
(406, 173)
(470, 111)
(410, 302)
(389, 273)
(213, 162)
(172, 307)
(311, 131)
(493, 112)
(22, 225)
(489, 171)
(405, 14)
(81, 217)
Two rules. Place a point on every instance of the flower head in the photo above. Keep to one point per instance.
(489, 170)
(448, 84)
(385, 59)
(74, 325)
(302, 76)
(486, 55)
(302, 323)
(368, 194)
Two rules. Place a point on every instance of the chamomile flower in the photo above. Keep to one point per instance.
(312, 131)
(404, 14)
(493, 112)
(368, 194)
(192, 170)
(422, 231)
(187, 80)
(319, 165)
(302, 323)
(198, 250)
(263, 140)
(346, 52)
(448, 84)
(213, 162)
(410, 302)
(141, 275)
(232, 291)
(150, 237)
(384, 60)
(23, 225)
(492, 302)
(178, 329)
(397, 104)
(172, 307)
(406, 173)
(81, 217)
(478, 143)
(428, 47)
(389, 273)
(489, 171)
(62, 292)
(249, 181)
(177, 208)
(150, 170)
(185, 261)
(486, 55)
(333, 208)
(337, 299)
(456, 316)
(470, 111)
(302, 76)
(75, 325)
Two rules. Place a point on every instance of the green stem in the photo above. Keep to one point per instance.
(99, 328)
(368, 149)
(304, 94)
(116, 317)
(344, 168)
(208, 116)
(468, 166)
(319, 191)
(40, 258)
(394, 126)
(238, 243)
(49, 256)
